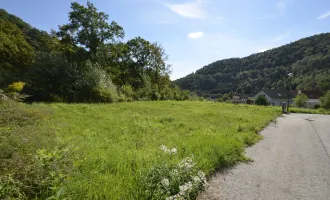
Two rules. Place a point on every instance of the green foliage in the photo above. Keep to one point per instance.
(10, 188)
(31, 164)
(308, 59)
(180, 181)
(310, 111)
(225, 97)
(15, 53)
(325, 101)
(300, 100)
(75, 63)
(13, 46)
(56, 79)
(129, 93)
(89, 28)
(16, 86)
(10, 96)
(261, 101)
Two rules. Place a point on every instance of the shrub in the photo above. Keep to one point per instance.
(94, 85)
(317, 106)
(16, 86)
(166, 93)
(300, 100)
(261, 101)
(155, 94)
(249, 101)
(325, 101)
(144, 93)
(105, 90)
(128, 91)
(179, 181)
(10, 97)
(3, 96)
(193, 96)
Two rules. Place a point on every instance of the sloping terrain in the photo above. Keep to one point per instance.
(308, 59)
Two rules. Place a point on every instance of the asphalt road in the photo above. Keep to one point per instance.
(291, 162)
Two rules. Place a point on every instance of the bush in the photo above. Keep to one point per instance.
(249, 101)
(26, 170)
(317, 106)
(12, 94)
(128, 92)
(16, 86)
(261, 101)
(179, 181)
(325, 101)
(105, 90)
(300, 100)
(166, 93)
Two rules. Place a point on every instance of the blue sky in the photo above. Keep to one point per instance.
(195, 32)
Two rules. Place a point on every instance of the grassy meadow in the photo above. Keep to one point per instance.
(113, 146)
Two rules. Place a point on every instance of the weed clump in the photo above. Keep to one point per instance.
(181, 180)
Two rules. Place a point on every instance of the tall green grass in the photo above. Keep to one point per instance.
(309, 110)
(117, 144)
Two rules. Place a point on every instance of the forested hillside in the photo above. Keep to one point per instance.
(84, 60)
(308, 59)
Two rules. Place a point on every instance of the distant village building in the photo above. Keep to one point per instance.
(237, 99)
(313, 98)
(276, 97)
(240, 98)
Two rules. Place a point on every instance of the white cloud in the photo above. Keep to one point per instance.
(190, 9)
(196, 35)
(325, 15)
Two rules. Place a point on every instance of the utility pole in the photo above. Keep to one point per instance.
(290, 88)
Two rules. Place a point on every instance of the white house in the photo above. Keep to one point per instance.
(312, 102)
(313, 98)
(276, 97)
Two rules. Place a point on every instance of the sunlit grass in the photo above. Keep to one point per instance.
(309, 110)
(117, 144)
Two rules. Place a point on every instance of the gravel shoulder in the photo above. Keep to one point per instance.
(291, 162)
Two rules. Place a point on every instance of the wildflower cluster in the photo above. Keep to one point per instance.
(190, 189)
(171, 182)
(168, 150)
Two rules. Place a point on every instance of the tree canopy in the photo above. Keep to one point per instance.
(89, 28)
(86, 60)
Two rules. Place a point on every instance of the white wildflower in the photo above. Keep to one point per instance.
(165, 182)
(186, 163)
(164, 148)
(174, 172)
(184, 188)
(168, 150)
(173, 151)
(202, 177)
(174, 197)
(201, 174)
(196, 179)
